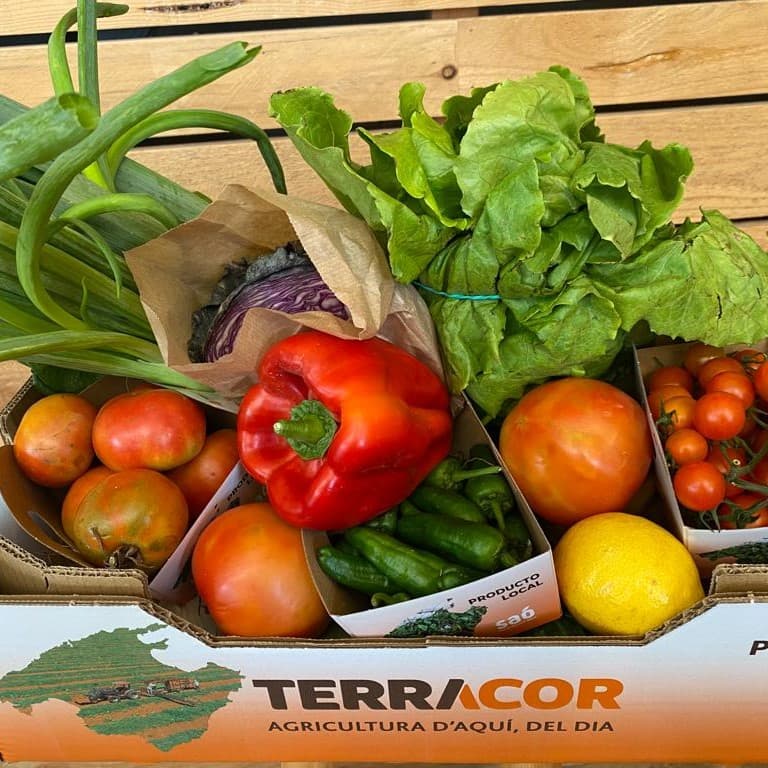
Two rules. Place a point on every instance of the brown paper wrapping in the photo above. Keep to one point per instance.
(177, 272)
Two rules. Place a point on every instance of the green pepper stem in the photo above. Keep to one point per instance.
(309, 430)
(466, 474)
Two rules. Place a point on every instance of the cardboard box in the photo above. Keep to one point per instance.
(93, 670)
(683, 694)
(511, 601)
(709, 547)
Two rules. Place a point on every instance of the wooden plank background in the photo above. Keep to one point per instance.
(628, 56)
(694, 73)
(735, 184)
(705, 89)
(39, 17)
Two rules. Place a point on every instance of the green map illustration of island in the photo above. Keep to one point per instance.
(163, 716)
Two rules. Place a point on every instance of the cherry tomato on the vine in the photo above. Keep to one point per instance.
(717, 365)
(719, 415)
(758, 440)
(678, 413)
(738, 512)
(750, 359)
(738, 384)
(699, 486)
(760, 380)
(698, 354)
(750, 427)
(759, 473)
(658, 397)
(670, 374)
(685, 446)
(727, 459)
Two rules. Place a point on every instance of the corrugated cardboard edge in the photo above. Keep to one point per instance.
(24, 574)
(737, 579)
(22, 399)
(26, 580)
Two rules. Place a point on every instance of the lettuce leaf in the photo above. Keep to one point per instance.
(538, 246)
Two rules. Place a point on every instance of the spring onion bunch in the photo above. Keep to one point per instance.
(71, 204)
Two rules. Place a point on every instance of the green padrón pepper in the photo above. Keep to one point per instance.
(412, 570)
(477, 545)
(441, 501)
(352, 571)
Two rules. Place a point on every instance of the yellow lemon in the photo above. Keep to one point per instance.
(621, 574)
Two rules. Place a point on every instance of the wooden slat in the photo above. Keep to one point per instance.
(727, 144)
(625, 55)
(758, 229)
(40, 17)
(356, 61)
(644, 54)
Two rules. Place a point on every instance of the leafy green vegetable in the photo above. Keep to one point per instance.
(38, 135)
(538, 245)
(71, 205)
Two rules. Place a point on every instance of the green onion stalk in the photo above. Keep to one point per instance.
(72, 203)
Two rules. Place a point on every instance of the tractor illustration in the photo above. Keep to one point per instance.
(121, 690)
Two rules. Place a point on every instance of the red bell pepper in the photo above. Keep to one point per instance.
(341, 430)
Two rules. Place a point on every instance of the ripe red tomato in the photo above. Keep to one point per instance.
(685, 446)
(250, 571)
(149, 428)
(677, 413)
(52, 444)
(749, 358)
(736, 513)
(715, 366)
(698, 354)
(699, 486)
(760, 380)
(738, 384)
(134, 517)
(78, 491)
(719, 415)
(670, 374)
(749, 429)
(658, 398)
(759, 473)
(577, 447)
(726, 458)
(200, 478)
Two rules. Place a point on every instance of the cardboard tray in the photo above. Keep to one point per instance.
(30, 515)
(68, 632)
(707, 546)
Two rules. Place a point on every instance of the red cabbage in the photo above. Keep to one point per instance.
(298, 289)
